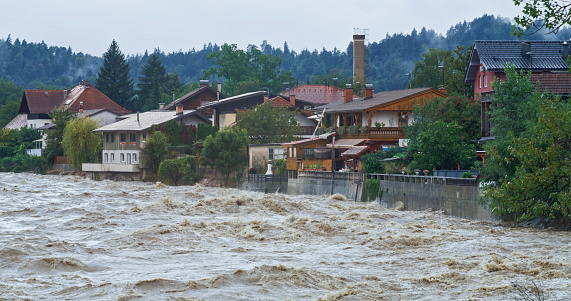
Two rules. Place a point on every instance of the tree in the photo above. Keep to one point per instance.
(268, 124)
(79, 142)
(551, 15)
(54, 147)
(513, 112)
(151, 83)
(541, 185)
(226, 152)
(332, 77)
(238, 66)
(154, 152)
(113, 78)
(440, 146)
(443, 68)
(181, 171)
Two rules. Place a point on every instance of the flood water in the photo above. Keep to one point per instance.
(70, 238)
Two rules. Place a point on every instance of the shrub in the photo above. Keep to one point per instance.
(281, 166)
(181, 171)
(342, 130)
(352, 130)
(372, 189)
(467, 175)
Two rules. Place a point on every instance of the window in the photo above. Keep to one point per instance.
(134, 157)
(133, 138)
(106, 157)
(485, 81)
(123, 137)
(144, 136)
(480, 81)
(106, 139)
(112, 157)
(122, 157)
(276, 153)
(112, 137)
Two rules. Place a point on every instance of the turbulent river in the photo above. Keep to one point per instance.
(70, 238)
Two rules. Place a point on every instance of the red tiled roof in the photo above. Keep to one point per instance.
(40, 101)
(553, 82)
(279, 101)
(92, 99)
(317, 94)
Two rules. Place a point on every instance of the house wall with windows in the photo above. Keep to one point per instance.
(259, 154)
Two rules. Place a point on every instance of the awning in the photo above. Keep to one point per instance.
(346, 143)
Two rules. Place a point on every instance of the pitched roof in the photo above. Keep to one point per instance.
(20, 121)
(378, 99)
(40, 101)
(355, 150)
(553, 83)
(316, 94)
(346, 143)
(543, 56)
(91, 98)
(146, 120)
(190, 95)
(238, 98)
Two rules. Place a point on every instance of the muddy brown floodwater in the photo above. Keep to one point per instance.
(76, 239)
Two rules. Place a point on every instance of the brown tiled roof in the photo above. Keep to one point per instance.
(355, 151)
(279, 101)
(553, 83)
(316, 94)
(380, 98)
(40, 101)
(191, 94)
(92, 99)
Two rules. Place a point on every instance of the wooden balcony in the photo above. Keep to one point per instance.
(392, 134)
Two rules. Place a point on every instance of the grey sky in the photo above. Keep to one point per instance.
(89, 26)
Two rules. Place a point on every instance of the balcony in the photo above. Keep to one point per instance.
(383, 134)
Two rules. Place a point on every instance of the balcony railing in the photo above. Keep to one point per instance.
(382, 134)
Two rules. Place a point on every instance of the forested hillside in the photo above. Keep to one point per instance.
(34, 65)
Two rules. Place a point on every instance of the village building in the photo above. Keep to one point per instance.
(122, 142)
(198, 97)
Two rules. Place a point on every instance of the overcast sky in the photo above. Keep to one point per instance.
(90, 26)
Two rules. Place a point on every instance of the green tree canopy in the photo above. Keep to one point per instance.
(268, 124)
(154, 152)
(113, 78)
(151, 84)
(443, 68)
(80, 143)
(551, 15)
(54, 147)
(226, 152)
(246, 71)
(541, 185)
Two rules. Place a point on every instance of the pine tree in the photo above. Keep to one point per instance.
(151, 83)
(113, 77)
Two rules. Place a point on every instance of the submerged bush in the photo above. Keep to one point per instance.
(180, 171)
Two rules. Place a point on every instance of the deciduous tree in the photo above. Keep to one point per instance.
(551, 15)
(54, 147)
(268, 124)
(226, 152)
(154, 152)
(79, 142)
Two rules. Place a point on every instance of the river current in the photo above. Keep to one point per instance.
(71, 238)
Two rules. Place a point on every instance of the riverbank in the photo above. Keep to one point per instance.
(74, 238)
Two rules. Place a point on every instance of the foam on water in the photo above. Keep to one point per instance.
(73, 238)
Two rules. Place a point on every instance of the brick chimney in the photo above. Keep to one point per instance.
(368, 90)
(86, 83)
(179, 109)
(266, 98)
(204, 82)
(348, 93)
(81, 107)
(292, 99)
(442, 89)
(161, 105)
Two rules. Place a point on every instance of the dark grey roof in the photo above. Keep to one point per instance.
(248, 95)
(191, 94)
(544, 56)
(380, 98)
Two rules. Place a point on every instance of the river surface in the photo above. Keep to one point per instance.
(71, 238)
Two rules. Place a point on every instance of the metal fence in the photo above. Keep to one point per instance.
(425, 179)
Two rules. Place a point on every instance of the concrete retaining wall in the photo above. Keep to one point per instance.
(421, 193)
(319, 183)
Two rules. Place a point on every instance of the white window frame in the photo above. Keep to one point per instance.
(485, 81)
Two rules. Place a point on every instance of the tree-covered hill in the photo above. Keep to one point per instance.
(34, 65)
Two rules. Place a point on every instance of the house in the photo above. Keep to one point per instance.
(122, 141)
(380, 116)
(198, 97)
(36, 105)
(224, 110)
(315, 94)
(545, 60)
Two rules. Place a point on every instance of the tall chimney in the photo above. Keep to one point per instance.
(81, 107)
(266, 98)
(286, 86)
(204, 82)
(358, 57)
(161, 105)
(565, 50)
(348, 93)
(292, 99)
(219, 87)
(525, 49)
(179, 109)
(368, 90)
